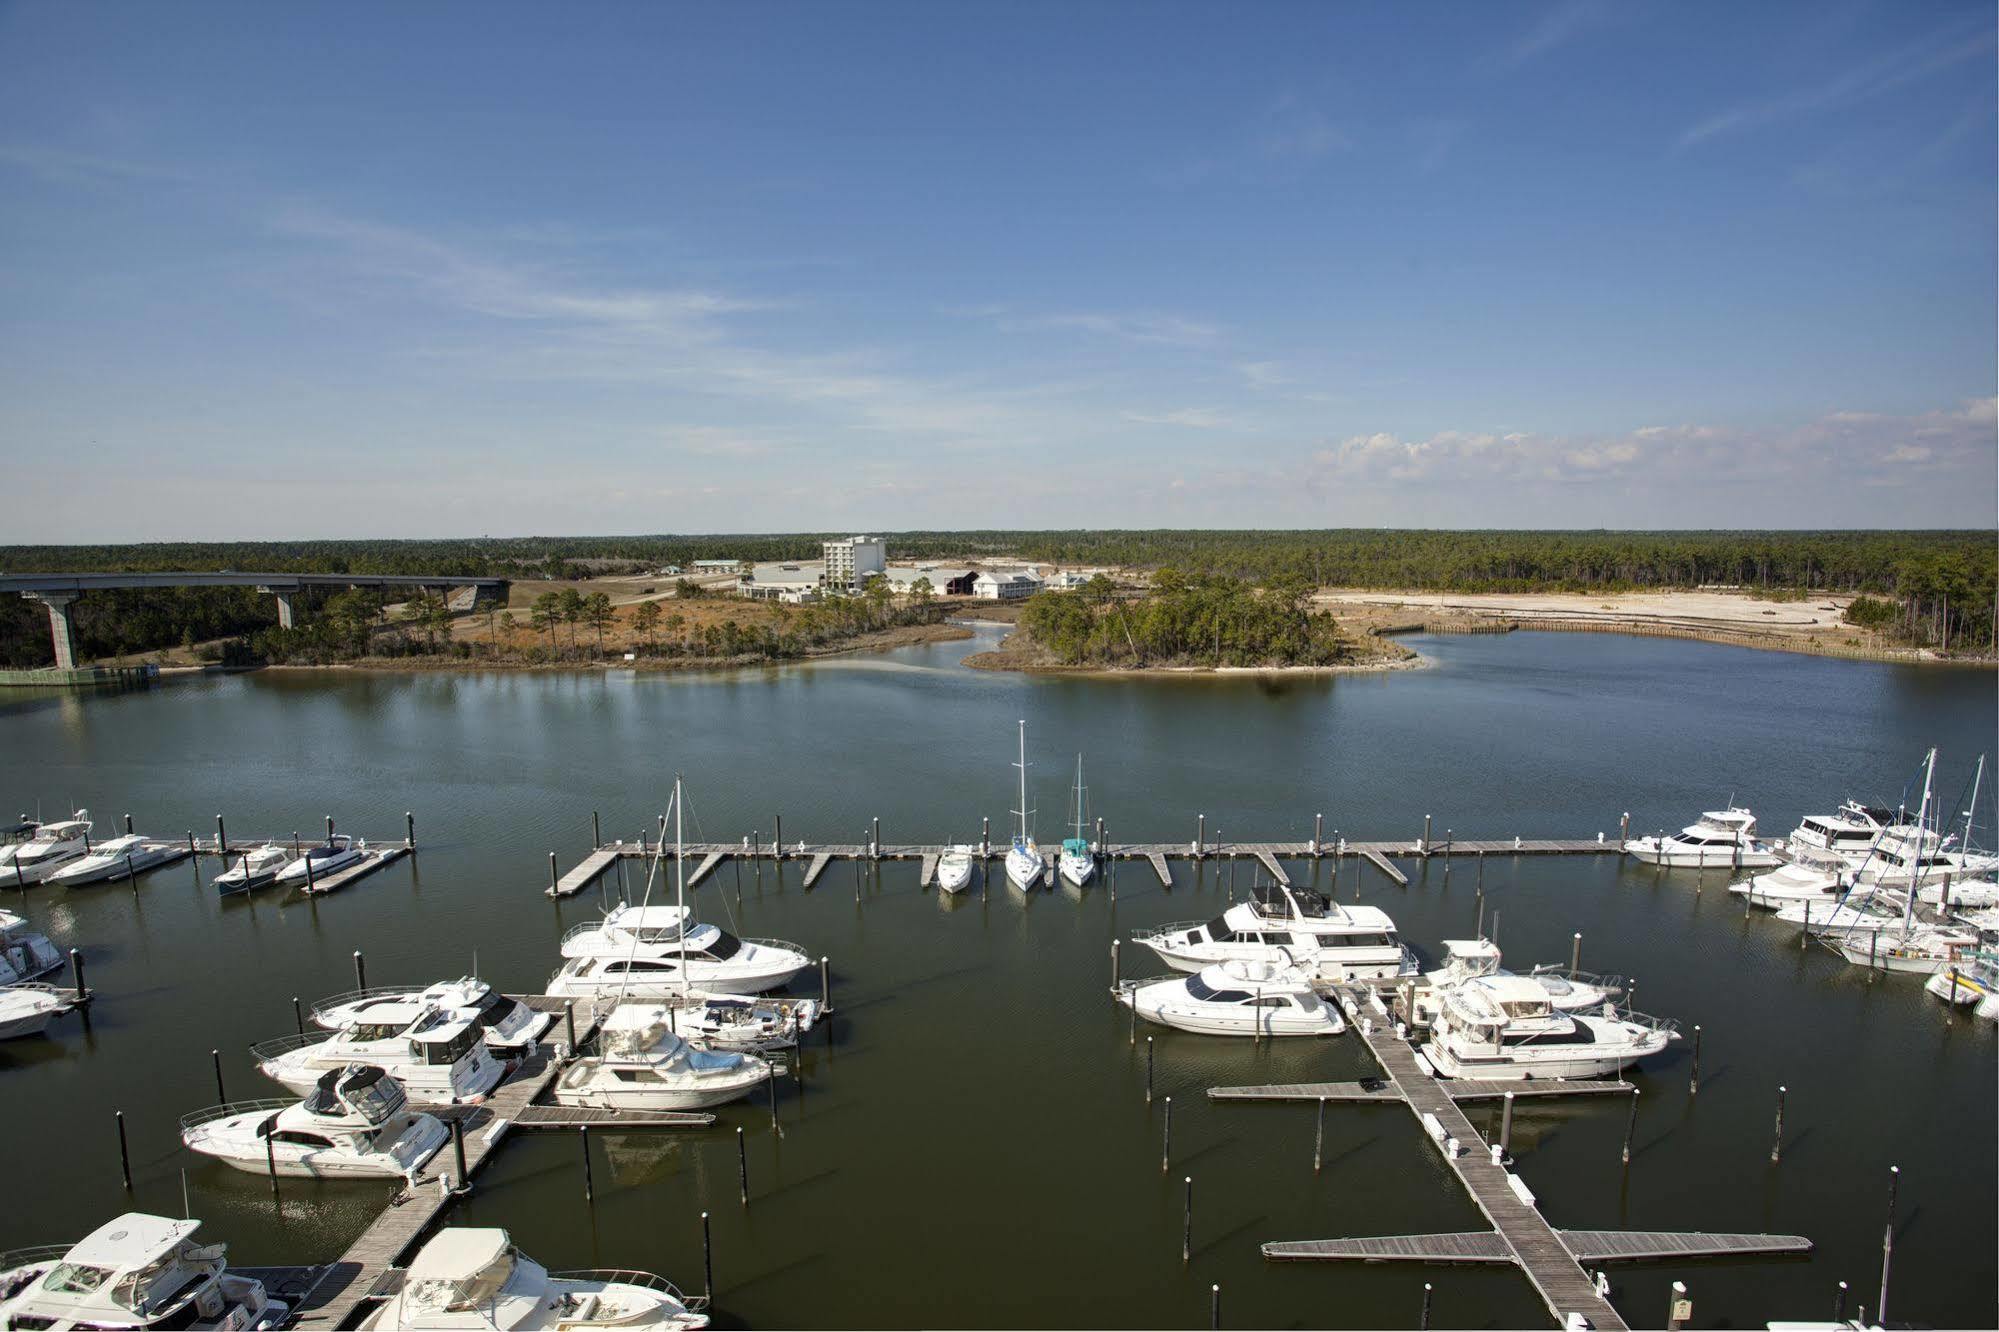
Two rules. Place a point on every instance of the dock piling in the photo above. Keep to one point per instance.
(308, 866)
(1117, 973)
(221, 1096)
(771, 1083)
(1200, 835)
(551, 874)
(128, 825)
(1506, 1129)
(1319, 1138)
(82, 991)
(298, 1017)
(1887, 1247)
(124, 1153)
(1575, 956)
(589, 1184)
(1166, 1138)
(1777, 1144)
(1187, 1224)
(1423, 1318)
(707, 1263)
(1630, 1126)
(985, 836)
(271, 1165)
(742, 1168)
(1148, 1070)
(360, 972)
(1426, 834)
(458, 1154)
(409, 830)
(596, 832)
(1839, 1304)
(1678, 1307)
(1694, 1078)
(1214, 1306)
(221, 838)
(329, 827)
(1318, 834)
(1624, 829)
(825, 987)
(569, 1022)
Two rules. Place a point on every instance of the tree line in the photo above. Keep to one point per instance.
(1203, 619)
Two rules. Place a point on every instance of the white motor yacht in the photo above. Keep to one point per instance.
(954, 868)
(1467, 959)
(1968, 895)
(644, 1066)
(1024, 862)
(27, 1009)
(731, 1022)
(439, 1055)
(336, 853)
(1968, 982)
(356, 1124)
(1920, 860)
(1235, 999)
(1850, 834)
(1861, 916)
(511, 1027)
(1280, 923)
(138, 1271)
(24, 954)
(122, 857)
(1812, 874)
(702, 957)
(256, 868)
(1504, 1029)
(466, 1277)
(53, 846)
(1721, 839)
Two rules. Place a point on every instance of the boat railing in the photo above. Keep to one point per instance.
(1132, 984)
(333, 1001)
(1170, 927)
(284, 1045)
(195, 1118)
(1601, 979)
(10, 1259)
(1667, 1027)
(643, 1280)
(785, 944)
(43, 987)
(582, 928)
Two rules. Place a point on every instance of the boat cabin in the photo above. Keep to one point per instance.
(136, 1267)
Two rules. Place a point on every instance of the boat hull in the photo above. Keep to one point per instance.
(1024, 871)
(954, 878)
(1650, 851)
(1175, 1009)
(584, 1093)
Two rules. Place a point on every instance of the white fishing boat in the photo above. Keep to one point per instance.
(25, 955)
(954, 868)
(439, 1055)
(1281, 923)
(511, 1027)
(1720, 839)
(642, 1065)
(355, 1124)
(466, 1277)
(26, 1009)
(1503, 1028)
(336, 853)
(123, 857)
(1812, 874)
(138, 1271)
(256, 868)
(1024, 862)
(52, 846)
(1967, 982)
(1077, 861)
(1469, 959)
(1234, 999)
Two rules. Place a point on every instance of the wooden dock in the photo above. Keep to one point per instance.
(370, 862)
(1468, 1089)
(576, 1116)
(1584, 1246)
(1268, 859)
(705, 868)
(589, 870)
(1159, 867)
(1382, 863)
(816, 867)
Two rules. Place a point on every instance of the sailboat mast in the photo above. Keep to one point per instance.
(680, 880)
(1079, 796)
(1919, 853)
(1970, 809)
(1022, 765)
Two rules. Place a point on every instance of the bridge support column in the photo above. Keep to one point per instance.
(60, 628)
(285, 619)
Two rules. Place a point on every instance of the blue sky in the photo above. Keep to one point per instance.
(625, 268)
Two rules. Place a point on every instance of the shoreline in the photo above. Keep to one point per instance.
(1415, 661)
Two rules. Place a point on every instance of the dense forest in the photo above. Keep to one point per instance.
(1942, 585)
(1198, 620)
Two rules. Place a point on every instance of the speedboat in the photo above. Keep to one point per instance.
(649, 952)
(1281, 923)
(256, 868)
(1967, 982)
(27, 1009)
(1235, 999)
(1503, 1028)
(954, 868)
(1467, 959)
(439, 1054)
(53, 846)
(467, 1277)
(24, 954)
(138, 1271)
(356, 1124)
(1720, 839)
(511, 1027)
(336, 853)
(644, 1066)
(1812, 874)
(1078, 860)
(1024, 862)
(123, 857)
(1920, 952)
(731, 1022)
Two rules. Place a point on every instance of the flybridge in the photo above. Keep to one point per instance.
(58, 590)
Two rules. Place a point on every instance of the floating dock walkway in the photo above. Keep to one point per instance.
(708, 856)
(1551, 1259)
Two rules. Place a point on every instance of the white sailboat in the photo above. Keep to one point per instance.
(1078, 860)
(1924, 950)
(1024, 862)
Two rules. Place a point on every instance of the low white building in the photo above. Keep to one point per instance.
(795, 583)
(717, 566)
(1000, 586)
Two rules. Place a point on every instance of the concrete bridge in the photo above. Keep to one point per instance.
(57, 590)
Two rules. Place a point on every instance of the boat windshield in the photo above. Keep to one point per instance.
(443, 1295)
(726, 946)
(1219, 930)
(1207, 993)
(76, 1278)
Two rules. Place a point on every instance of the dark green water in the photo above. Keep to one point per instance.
(974, 1147)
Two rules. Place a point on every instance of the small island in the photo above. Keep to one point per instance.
(1186, 623)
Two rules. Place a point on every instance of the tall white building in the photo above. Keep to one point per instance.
(849, 562)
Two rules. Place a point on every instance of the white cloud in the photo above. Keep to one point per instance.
(1193, 418)
(1263, 374)
(1166, 329)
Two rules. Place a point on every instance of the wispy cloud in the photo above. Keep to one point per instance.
(1166, 329)
(1553, 27)
(1883, 74)
(1192, 418)
(1263, 374)
(1293, 128)
(73, 168)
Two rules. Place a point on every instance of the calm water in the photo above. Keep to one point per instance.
(973, 1148)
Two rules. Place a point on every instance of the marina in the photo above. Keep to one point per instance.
(886, 1092)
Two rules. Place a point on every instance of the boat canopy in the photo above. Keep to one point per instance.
(463, 1267)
